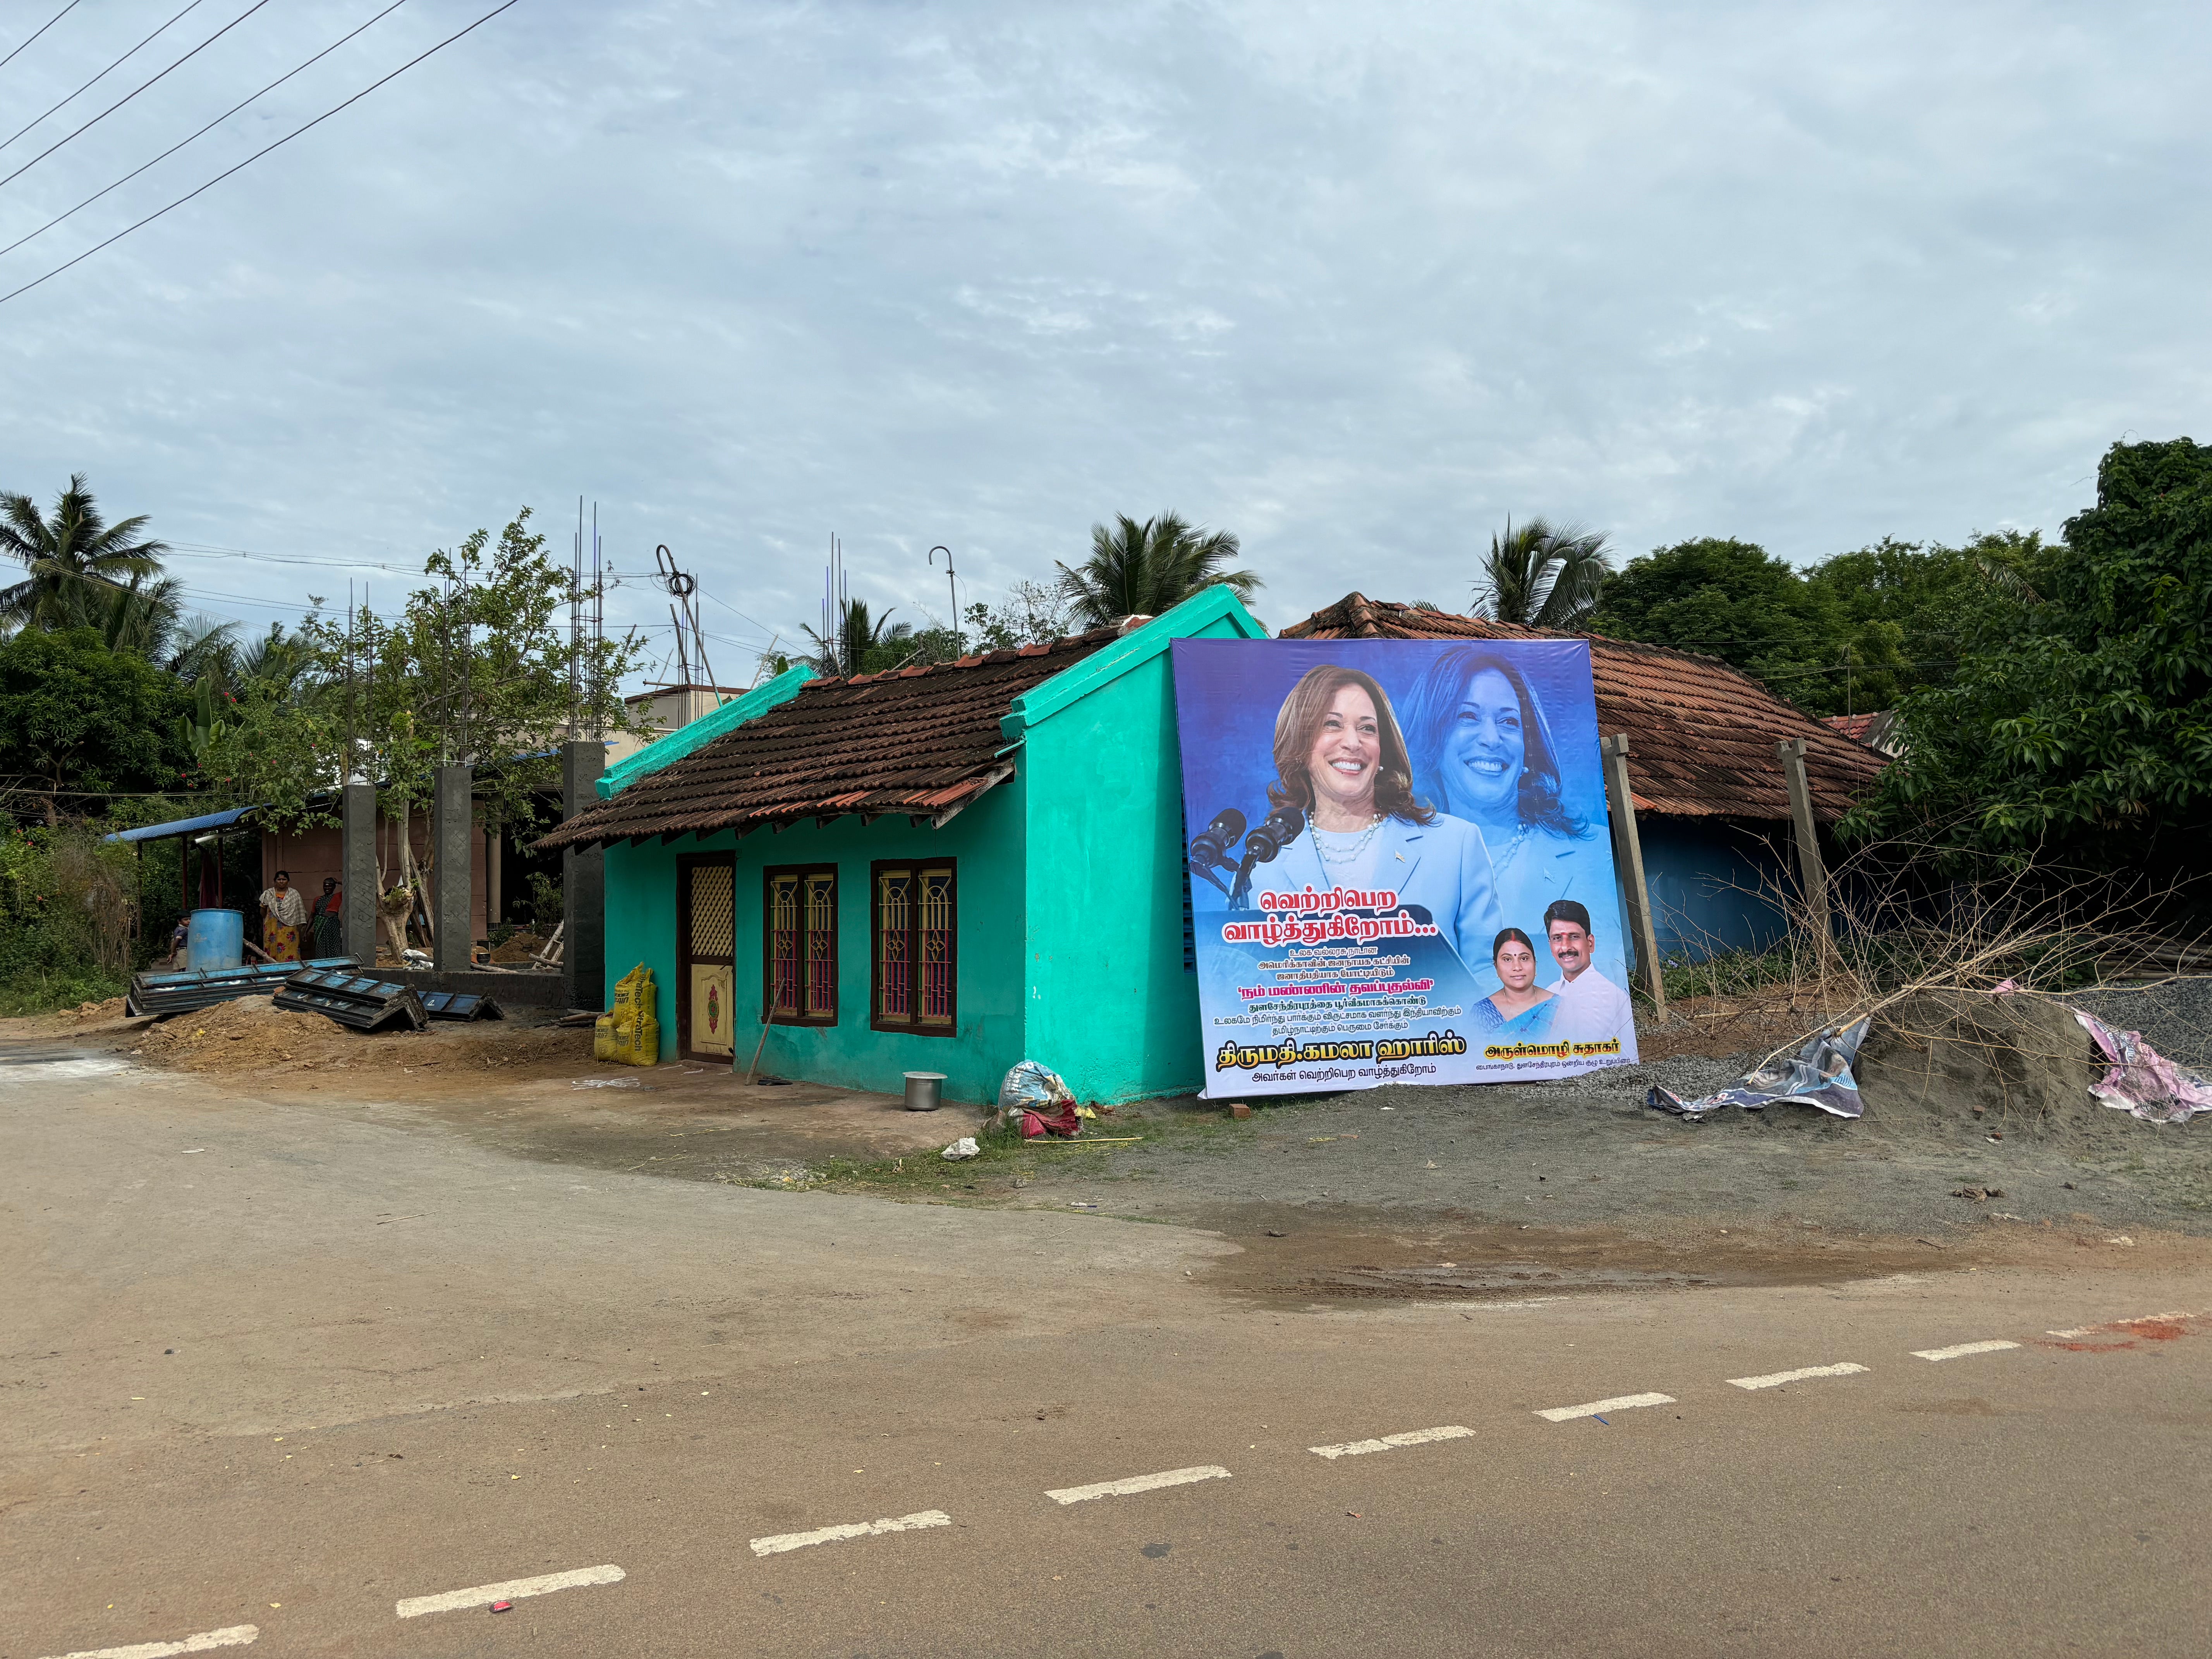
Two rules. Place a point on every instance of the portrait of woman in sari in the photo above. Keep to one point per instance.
(1519, 1007)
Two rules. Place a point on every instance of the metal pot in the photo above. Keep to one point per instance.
(925, 1091)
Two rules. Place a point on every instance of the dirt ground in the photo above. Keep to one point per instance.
(1980, 1143)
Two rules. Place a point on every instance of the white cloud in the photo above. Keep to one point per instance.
(1355, 282)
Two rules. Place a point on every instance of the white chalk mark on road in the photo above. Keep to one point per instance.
(781, 1542)
(1960, 1350)
(1410, 1437)
(514, 1590)
(1618, 1403)
(1136, 1483)
(1775, 1379)
(236, 1636)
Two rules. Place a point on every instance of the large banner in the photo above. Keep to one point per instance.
(1400, 866)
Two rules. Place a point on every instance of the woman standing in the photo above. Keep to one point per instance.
(284, 912)
(326, 921)
(1483, 751)
(1340, 761)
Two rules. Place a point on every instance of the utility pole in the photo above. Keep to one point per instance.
(1628, 865)
(953, 590)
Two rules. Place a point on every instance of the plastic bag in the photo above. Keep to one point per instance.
(1030, 1085)
(962, 1148)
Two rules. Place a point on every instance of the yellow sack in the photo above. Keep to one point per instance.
(628, 1034)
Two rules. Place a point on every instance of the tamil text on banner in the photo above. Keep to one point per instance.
(1399, 867)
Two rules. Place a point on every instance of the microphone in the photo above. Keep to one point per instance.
(1209, 848)
(1274, 833)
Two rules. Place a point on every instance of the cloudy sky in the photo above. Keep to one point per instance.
(1355, 281)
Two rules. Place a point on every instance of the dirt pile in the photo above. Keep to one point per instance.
(2006, 1063)
(252, 1034)
(247, 1035)
(517, 948)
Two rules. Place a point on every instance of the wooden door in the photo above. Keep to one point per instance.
(706, 956)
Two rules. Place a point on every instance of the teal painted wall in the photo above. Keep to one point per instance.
(1070, 898)
(985, 842)
(1111, 1007)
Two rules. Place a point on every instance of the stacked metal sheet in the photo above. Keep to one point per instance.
(459, 1005)
(361, 1001)
(178, 994)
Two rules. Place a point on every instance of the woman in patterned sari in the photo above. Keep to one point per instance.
(284, 912)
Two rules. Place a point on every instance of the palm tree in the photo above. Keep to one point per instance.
(1142, 570)
(855, 638)
(76, 558)
(147, 619)
(1543, 575)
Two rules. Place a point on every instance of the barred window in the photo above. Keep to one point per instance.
(916, 958)
(799, 945)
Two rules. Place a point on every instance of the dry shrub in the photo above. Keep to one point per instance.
(1900, 943)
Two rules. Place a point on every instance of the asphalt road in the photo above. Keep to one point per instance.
(271, 1368)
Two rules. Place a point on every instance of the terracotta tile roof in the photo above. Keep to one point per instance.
(923, 741)
(1876, 731)
(1701, 735)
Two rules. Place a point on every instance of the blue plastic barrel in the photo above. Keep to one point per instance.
(216, 939)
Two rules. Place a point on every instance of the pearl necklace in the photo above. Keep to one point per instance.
(1499, 860)
(1351, 853)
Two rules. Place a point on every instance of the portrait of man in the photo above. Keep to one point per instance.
(1591, 1007)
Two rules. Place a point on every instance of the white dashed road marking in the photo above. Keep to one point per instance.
(1410, 1437)
(514, 1590)
(1775, 1379)
(1960, 1351)
(777, 1544)
(1618, 1403)
(236, 1636)
(1136, 1483)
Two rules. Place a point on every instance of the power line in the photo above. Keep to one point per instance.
(133, 93)
(217, 122)
(41, 29)
(258, 154)
(95, 80)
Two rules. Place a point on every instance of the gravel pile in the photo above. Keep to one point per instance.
(2175, 1017)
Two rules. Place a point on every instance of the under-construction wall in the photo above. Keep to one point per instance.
(313, 856)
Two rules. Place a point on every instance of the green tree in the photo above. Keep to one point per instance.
(1910, 613)
(1144, 569)
(1543, 575)
(75, 559)
(1733, 600)
(2084, 726)
(78, 721)
(478, 667)
(858, 643)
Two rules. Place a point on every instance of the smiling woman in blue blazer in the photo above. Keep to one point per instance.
(1340, 760)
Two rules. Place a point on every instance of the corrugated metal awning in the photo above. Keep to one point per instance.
(184, 826)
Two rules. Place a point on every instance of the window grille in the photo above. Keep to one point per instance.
(917, 957)
(895, 946)
(801, 946)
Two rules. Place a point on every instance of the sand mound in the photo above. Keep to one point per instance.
(252, 1034)
(243, 1035)
(2007, 1064)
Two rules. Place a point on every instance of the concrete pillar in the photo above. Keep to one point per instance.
(583, 883)
(357, 815)
(451, 825)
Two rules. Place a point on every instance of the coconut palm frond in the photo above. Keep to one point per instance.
(1543, 575)
(1145, 568)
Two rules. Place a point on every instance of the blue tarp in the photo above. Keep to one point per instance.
(184, 826)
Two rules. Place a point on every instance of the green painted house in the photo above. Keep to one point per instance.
(944, 869)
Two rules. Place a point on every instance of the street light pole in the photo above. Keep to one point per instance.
(952, 590)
